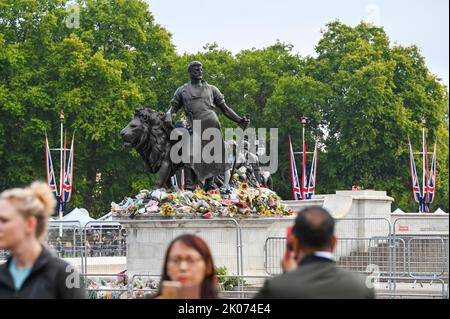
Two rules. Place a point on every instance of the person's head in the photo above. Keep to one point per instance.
(189, 261)
(314, 231)
(195, 70)
(24, 214)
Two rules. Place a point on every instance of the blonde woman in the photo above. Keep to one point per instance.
(32, 271)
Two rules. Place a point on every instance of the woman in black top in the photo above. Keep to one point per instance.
(32, 271)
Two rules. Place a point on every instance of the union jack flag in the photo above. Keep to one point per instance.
(312, 176)
(50, 173)
(432, 179)
(425, 172)
(68, 176)
(294, 175)
(304, 178)
(414, 179)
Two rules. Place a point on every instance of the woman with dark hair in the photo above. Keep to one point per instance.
(189, 261)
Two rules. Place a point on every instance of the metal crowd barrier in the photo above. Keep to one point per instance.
(238, 235)
(65, 230)
(410, 288)
(427, 256)
(124, 288)
(398, 259)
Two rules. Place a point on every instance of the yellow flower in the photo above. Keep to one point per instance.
(243, 186)
(167, 210)
(199, 194)
(267, 212)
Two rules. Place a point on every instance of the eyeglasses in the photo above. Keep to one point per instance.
(190, 261)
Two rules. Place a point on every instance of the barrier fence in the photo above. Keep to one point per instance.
(141, 286)
(427, 256)
(65, 238)
(223, 237)
(406, 265)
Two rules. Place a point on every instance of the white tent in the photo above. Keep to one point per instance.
(78, 215)
(105, 220)
(398, 211)
(107, 217)
(440, 212)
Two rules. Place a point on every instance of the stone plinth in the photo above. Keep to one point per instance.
(148, 239)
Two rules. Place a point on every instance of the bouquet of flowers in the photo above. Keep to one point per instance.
(242, 201)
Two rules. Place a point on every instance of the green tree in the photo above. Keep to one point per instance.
(117, 61)
(363, 97)
(379, 96)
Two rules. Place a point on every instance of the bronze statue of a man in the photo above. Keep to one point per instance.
(200, 101)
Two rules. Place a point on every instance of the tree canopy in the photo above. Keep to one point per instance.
(363, 96)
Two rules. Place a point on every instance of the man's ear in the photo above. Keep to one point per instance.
(295, 245)
(333, 242)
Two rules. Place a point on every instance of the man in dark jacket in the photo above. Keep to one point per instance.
(310, 270)
(50, 278)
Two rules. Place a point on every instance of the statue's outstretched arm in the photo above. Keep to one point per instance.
(175, 104)
(230, 113)
(219, 101)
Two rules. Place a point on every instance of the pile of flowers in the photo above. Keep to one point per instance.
(112, 288)
(241, 202)
(106, 288)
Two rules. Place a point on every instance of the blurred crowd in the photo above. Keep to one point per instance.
(98, 243)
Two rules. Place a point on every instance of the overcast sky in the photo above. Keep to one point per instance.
(243, 24)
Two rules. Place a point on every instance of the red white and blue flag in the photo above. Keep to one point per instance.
(296, 191)
(414, 178)
(425, 172)
(432, 178)
(50, 173)
(304, 177)
(68, 175)
(312, 176)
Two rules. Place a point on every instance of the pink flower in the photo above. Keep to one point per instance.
(208, 215)
(152, 206)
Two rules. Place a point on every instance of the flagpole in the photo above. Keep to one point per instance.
(303, 120)
(61, 117)
(425, 169)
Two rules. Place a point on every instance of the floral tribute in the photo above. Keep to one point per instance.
(241, 202)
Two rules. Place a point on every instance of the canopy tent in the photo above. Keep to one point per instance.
(77, 217)
(105, 220)
(440, 212)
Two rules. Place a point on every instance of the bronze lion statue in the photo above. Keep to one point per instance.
(150, 136)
